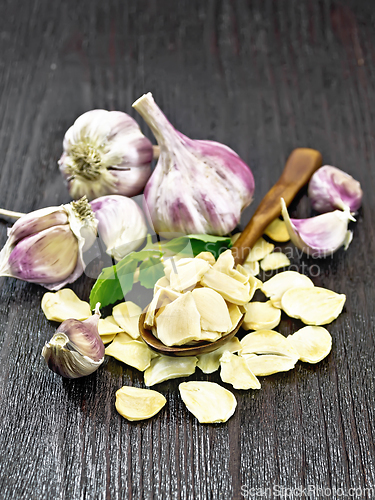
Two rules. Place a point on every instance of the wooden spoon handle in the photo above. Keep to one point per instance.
(300, 166)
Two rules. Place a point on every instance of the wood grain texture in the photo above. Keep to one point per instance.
(264, 77)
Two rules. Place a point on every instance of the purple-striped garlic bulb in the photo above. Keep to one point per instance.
(330, 188)
(105, 153)
(198, 186)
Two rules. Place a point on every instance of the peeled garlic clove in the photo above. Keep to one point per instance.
(234, 371)
(179, 322)
(277, 231)
(260, 249)
(229, 288)
(210, 361)
(129, 351)
(268, 364)
(197, 187)
(321, 235)
(275, 287)
(213, 310)
(208, 401)
(63, 305)
(268, 342)
(127, 316)
(274, 261)
(105, 153)
(261, 316)
(121, 224)
(76, 349)
(165, 368)
(313, 343)
(138, 404)
(46, 246)
(313, 306)
(331, 188)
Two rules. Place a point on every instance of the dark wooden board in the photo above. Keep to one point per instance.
(263, 77)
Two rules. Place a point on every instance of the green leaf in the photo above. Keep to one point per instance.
(150, 271)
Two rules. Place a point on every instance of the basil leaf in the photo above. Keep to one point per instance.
(150, 271)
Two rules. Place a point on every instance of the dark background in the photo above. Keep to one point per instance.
(263, 77)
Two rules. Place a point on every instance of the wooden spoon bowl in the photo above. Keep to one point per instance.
(186, 350)
(299, 168)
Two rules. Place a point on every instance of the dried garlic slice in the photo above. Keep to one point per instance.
(210, 362)
(313, 343)
(212, 309)
(235, 314)
(207, 401)
(108, 329)
(225, 264)
(162, 282)
(268, 342)
(165, 368)
(127, 316)
(207, 256)
(131, 352)
(138, 404)
(260, 249)
(160, 297)
(275, 287)
(268, 364)
(229, 288)
(313, 306)
(179, 322)
(277, 231)
(274, 260)
(252, 267)
(188, 274)
(261, 316)
(234, 371)
(64, 304)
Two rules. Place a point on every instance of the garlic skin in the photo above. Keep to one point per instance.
(105, 153)
(46, 246)
(319, 236)
(121, 224)
(197, 186)
(76, 349)
(330, 188)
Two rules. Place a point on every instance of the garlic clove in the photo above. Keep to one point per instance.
(121, 224)
(314, 306)
(105, 153)
(321, 235)
(138, 404)
(275, 287)
(63, 305)
(177, 197)
(208, 401)
(76, 349)
(235, 371)
(330, 188)
(165, 368)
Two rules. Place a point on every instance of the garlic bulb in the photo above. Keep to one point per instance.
(331, 188)
(321, 235)
(46, 246)
(76, 349)
(197, 186)
(121, 224)
(105, 152)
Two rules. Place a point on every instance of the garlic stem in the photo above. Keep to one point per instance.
(10, 213)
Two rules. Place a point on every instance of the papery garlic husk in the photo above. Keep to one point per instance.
(197, 186)
(322, 235)
(121, 224)
(76, 349)
(330, 188)
(105, 153)
(46, 246)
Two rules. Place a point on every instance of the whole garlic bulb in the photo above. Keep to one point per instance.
(121, 224)
(197, 186)
(105, 152)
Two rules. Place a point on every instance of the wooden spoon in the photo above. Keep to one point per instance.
(300, 166)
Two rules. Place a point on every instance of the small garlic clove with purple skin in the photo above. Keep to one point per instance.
(76, 349)
(330, 188)
(121, 224)
(197, 186)
(105, 153)
(319, 236)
